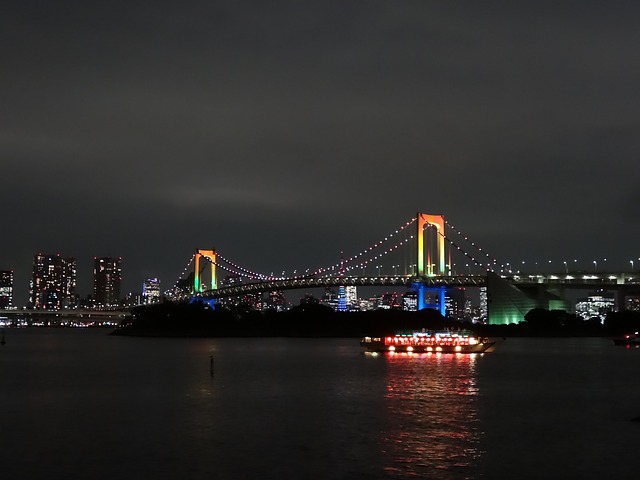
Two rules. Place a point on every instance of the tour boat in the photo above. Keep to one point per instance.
(629, 340)
(425, 341)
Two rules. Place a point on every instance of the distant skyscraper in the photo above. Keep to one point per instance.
(455, 303)
(483, 305)
(342, 299)
(6, 289)
(151, 291)
(107, 276)
(410, 301)
(53, 282)
(276, 301)
(351, 297)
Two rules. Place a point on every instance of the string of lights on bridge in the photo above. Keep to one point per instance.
(246, 273)
(176, 285)
(473, 244)
(348, 264)
(368, 250)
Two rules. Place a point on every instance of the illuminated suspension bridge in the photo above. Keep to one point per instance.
(425, 254)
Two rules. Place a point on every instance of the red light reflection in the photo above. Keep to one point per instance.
(433, 427)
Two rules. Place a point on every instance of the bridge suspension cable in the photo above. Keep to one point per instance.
(344, 262)
(240, 271)
(176, 286)
(488, 265)
(364, 258)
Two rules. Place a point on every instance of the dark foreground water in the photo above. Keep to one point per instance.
(82, 404)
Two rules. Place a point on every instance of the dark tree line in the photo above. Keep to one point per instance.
(315, 320)
(307, 320)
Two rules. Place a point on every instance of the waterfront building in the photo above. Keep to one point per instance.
(6, 288)
(388, 301)
(365, 304)
(151, 291)
(330, 298)
(455, 303)
(632, 303)
(276, 301)
(107, 277)
(309, 299)
(249, 301)
(351, 297)
(484, 313)
(132, 299)
(598, 304)
(342, 299)
(410, 301)
(53, 282)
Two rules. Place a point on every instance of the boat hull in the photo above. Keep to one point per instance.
(626, 342)
(372, 346)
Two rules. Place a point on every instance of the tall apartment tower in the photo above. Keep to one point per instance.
(107, 276)
(6, 288)
(53, 282)
(151, 291)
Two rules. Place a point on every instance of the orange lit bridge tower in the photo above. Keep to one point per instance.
(199, 285)
(435, 257)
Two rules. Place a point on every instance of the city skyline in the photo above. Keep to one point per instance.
(86, 286)
(284, 134)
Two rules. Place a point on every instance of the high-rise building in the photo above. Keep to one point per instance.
(351, 297)
(484, 301)
(455, 303)
(6, 289)
(53, 282)
(151, 291)
(410, 301)
(107, 276)
(342, 299)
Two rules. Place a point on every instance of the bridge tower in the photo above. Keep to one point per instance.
(436, 221)
(210, 256)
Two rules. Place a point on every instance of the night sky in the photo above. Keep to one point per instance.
(281, 133)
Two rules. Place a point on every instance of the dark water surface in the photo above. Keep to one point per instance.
(82, 404)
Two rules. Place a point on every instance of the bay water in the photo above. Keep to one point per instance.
(79, 403)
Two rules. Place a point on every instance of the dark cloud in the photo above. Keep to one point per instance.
(286, 132)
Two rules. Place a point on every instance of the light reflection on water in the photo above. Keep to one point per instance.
(431, 400)
(275, 408)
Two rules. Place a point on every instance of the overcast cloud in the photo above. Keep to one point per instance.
(281, 133)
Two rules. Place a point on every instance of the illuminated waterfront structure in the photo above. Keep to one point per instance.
(53, 282)
(107, 276)
(410, 301)
(342, 299)
(6, 289)
(598, 304)
(276, 301)
(351, 297)
(455, 303)
(330, 298)
(632, 303)
(484, 308)
(151, 291)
